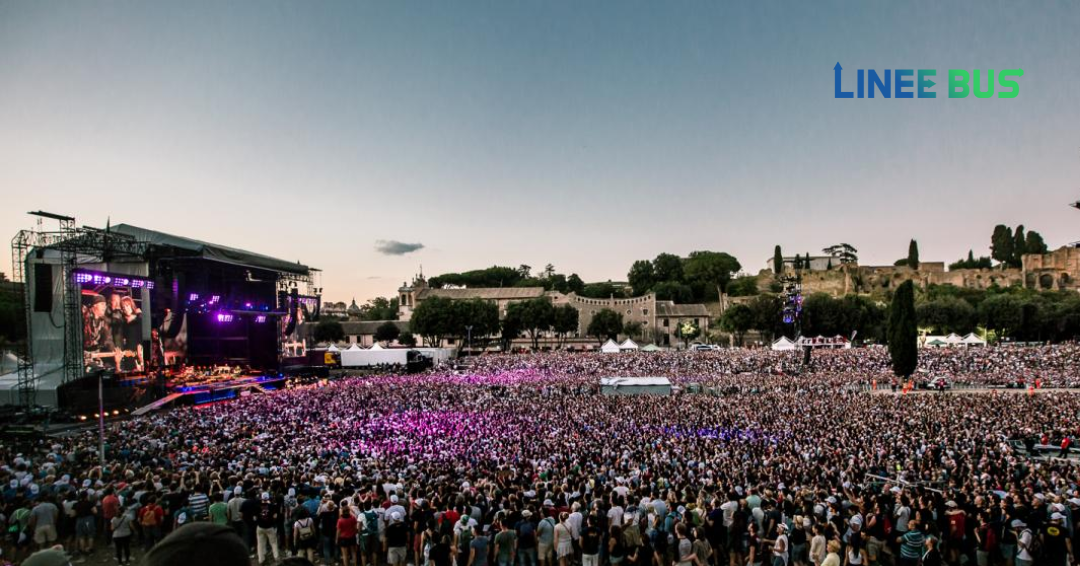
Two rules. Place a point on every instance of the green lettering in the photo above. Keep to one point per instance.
(958, 79)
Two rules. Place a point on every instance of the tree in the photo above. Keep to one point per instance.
(1019, 246)
(380, 308)
(599, 290)
(536, 316)
(674, 291)
(574, 284)
(1002, 313)
(767, 313)
(524, 271)
(510, 328)
(714, 268)
(667, 267)
(844, 253)
(605, 324)
(565, 321)
(1035, 243)
(1001, 245)
(434, 319)
(407, 339)
(945, 315)
(777, 260)
(641, 277)
(743, 286)
(913, 254)
(687, 331)
(475, 319)
(738, 320)
(387, 332)
(633, 329)
(329, 330)
(903, 332)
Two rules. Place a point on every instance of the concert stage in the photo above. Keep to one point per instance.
(142, 309)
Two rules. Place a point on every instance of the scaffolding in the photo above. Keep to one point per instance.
(70, 242)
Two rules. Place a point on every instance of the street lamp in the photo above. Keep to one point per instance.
(468, 332)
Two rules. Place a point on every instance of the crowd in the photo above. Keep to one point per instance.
(521, 461)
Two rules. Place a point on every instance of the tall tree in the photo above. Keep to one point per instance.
(713, 268)
(407, 339)
(536, 317)
(738, 320)
(903, 331)
(641, 277)
(1019, 246)
(1034, 243)
(777, 260)
(913, 254)
(433, 320)
(574, 284)
(565, 321)
(667, 267)
(1001, 245)
(605, 324)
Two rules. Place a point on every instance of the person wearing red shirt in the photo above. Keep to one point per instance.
(346, 536)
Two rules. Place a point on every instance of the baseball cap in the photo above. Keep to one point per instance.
(1057, 517)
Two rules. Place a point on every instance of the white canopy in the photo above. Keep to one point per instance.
(610, 347)
(783, 344)
(376, 346)
(954, 338)
(973, 340)
(628, 345)
(332, 348)
(354, 348)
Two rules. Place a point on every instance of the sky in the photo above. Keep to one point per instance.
(368, 138)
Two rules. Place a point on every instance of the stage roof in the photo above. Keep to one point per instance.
(213, 252)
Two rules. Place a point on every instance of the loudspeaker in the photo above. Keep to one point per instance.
(43, 287)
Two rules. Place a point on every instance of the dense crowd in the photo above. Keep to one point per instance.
(521, 461)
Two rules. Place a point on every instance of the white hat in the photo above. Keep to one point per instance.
(395, 516)
(1057, 517)
(526, 513)
(266, 495)
(1017, 523)
(895, 489)
(393, 499)
(950, 503)
(548, 503)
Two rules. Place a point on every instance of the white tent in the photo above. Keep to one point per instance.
(628, 345)
(332, 348)
(973, 340)
(953, 339)
(783, 344)
(354, 348)
(376, 346)
(610, 347)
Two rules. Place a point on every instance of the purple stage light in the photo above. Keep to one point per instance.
(224, 317)
(83, 278)
(214, 299)
(260, 319)
(193, 297)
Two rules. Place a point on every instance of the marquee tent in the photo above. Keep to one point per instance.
(628, 345)
(610, 347)
(784, 344)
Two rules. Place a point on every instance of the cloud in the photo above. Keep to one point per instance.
(394, 247)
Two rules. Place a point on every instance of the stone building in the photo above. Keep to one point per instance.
(658, 319)
(1059, 269)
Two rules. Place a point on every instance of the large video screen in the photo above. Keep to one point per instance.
(116, 332)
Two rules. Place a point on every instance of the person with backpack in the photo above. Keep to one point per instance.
(463, 535)
(1025, 541)
(1056, 546)
(305, 534)
(369, 538)
(545, 541)
(151, 517)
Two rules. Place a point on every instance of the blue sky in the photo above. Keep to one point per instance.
(586, 135)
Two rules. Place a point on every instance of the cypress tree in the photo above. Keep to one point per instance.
(903, 334)
(777, 261)
(913, 255)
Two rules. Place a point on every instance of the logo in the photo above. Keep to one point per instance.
(909, 83)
